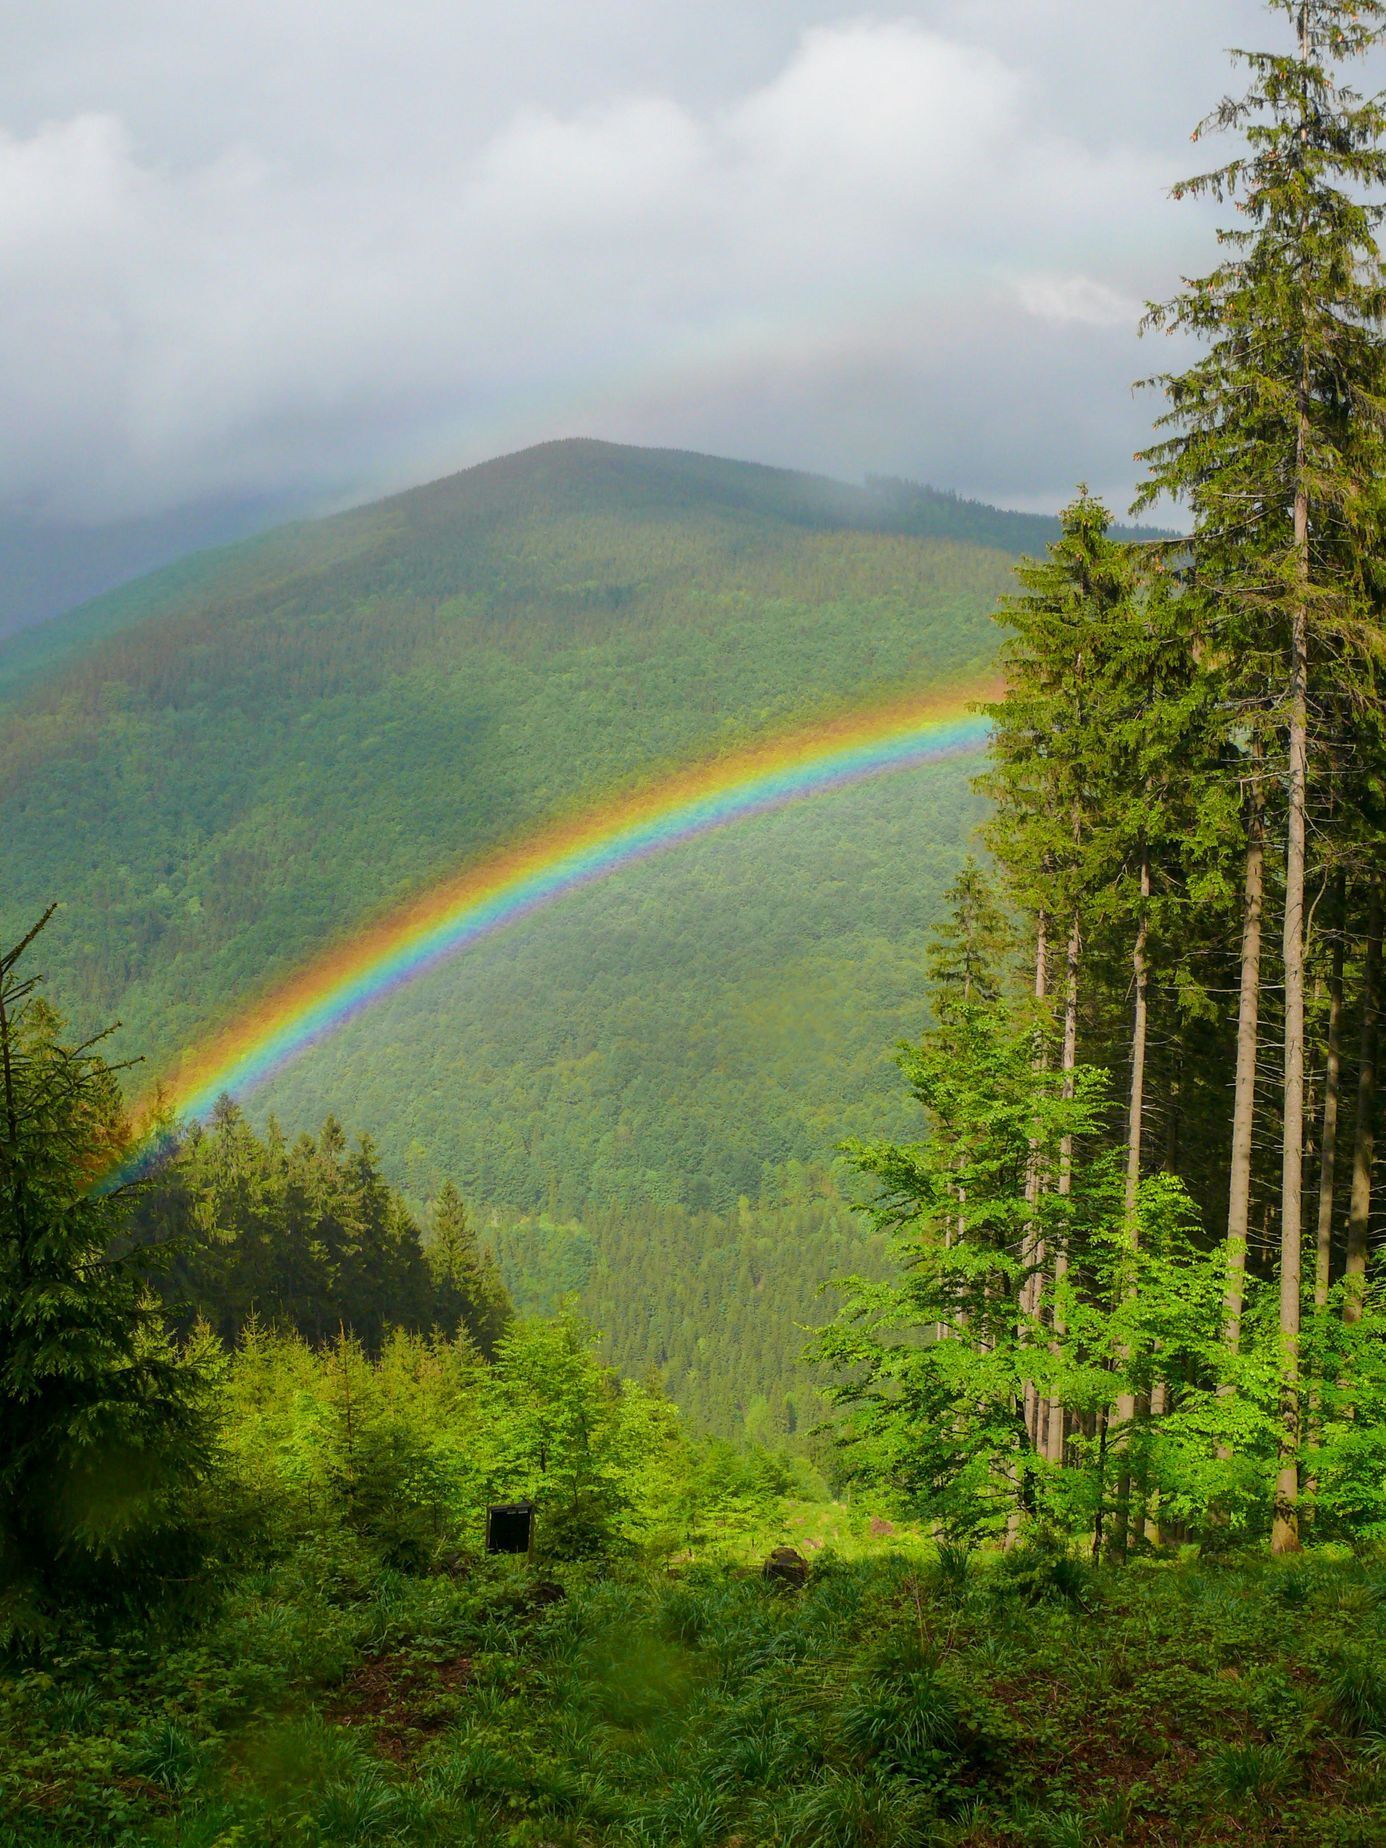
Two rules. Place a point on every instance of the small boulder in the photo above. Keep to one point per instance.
(786, 1566)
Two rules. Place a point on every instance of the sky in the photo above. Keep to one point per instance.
(298, 253)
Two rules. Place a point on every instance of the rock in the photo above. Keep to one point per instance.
(786, 1566)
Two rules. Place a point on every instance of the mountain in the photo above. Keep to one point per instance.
(224, 767)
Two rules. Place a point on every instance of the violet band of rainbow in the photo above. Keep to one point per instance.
(515, 883)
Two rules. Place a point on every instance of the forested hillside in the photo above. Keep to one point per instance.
(223, 769)
(716, 1307)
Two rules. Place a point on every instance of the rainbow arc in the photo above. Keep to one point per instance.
(570, 853)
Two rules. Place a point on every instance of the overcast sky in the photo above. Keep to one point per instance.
(279, 248)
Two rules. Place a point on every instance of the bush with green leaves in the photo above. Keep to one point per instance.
(406, 1450)
(936, 1366)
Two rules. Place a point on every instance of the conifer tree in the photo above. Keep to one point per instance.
(103, 1426)
(1276, 441)
(1053, 828)
(933, 1361)
(466, 1280)
(1149, 753)
(969, 953)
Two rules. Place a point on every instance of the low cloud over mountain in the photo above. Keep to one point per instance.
(241, 259)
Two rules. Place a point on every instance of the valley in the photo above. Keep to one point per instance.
(223, 769)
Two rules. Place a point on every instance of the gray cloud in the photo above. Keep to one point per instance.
(288, 249)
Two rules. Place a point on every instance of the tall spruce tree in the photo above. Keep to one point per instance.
(1149, 756)
(1276, 441)
(1053, 830)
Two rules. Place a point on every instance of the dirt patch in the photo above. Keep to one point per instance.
(403, 1700)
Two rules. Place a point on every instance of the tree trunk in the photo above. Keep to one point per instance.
(1328, 1142)
(1033, 1253)
(1364, 1134)
(1135, 1119)
(1135, 1116)
(1244, 1091)
(1054, 1438)
(1097, 1534)
(1159, 1405)
(1146, 1516)
(1285, 1527)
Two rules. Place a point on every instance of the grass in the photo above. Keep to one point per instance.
(902, 1697)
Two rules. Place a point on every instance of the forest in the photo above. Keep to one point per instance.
(1061, 1517)
(716, 1307)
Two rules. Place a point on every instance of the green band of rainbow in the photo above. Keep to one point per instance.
(568, 855)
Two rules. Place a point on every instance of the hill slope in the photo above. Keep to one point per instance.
(226, 766)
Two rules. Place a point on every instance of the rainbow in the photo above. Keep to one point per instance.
(568, 854)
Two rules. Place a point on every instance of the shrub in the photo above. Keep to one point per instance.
(1044, 1569)
(1357, 1692)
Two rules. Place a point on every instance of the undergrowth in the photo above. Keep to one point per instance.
(894, 1700)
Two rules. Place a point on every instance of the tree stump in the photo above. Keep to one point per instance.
(785, 1566)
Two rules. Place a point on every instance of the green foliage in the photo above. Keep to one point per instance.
(932, 1361)
(717, 1305)
(1043, 1570)
(403, 1452)
(1054, 812)
(932, 1364)
(576, 1439)
(644, 1707)
(1357, 1692)
(308, 1235)
(1345, 1460)
(973, 943)
(104, 1427)
(471, 1294)
(1286, 399)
